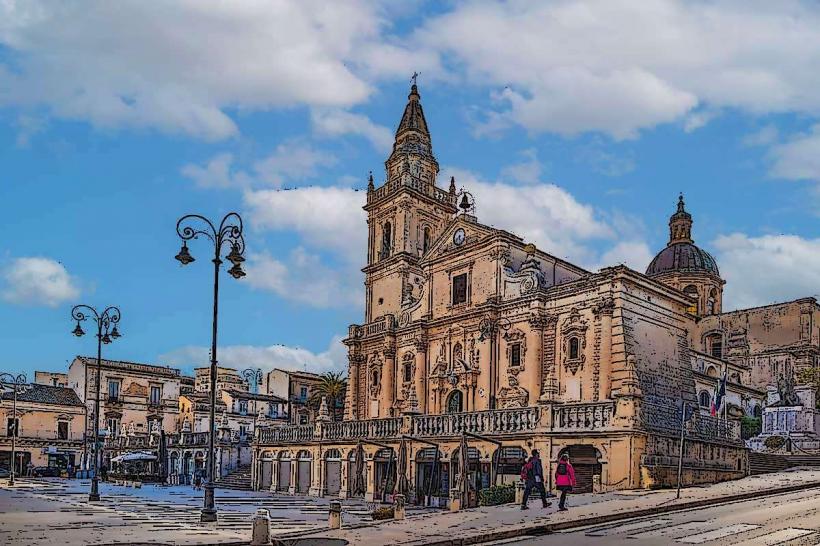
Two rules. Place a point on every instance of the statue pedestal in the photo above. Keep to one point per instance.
(798, 424)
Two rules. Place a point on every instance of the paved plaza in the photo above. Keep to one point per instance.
(37, 511)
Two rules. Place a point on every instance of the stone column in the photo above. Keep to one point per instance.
(549, 378)
(605, 363)
(388, 381)
(421, 375)
(274, 477)
(352, 398)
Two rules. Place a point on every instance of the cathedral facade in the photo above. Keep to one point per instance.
(478, 347)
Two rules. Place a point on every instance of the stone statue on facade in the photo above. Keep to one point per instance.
(785, 389)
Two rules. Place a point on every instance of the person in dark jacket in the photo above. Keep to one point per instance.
(534, 473)
(564, 480)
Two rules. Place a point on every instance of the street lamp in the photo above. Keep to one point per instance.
(18, 385)
(229, 233)
(106, 332)
(489, 328)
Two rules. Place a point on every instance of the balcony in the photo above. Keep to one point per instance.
(381, 325)
(586, 416)
(491, 422)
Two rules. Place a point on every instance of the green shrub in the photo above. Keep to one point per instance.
(749, 427)
(385, 512)
(497, 494)
(774, 442)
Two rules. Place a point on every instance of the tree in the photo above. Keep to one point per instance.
(333, 386)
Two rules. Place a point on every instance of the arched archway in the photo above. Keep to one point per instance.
(586, 460)
(304, 462)
(284, 471)
(266, 471)
(455, 402)
(432, 477)
(333, 472)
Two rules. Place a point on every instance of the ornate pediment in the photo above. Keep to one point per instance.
(574, 341)
(469, 234)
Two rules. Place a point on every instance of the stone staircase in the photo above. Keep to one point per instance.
(239, 479)
(764, 463)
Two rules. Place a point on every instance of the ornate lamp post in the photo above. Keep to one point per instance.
(18, 385)
(229, 233)
(489, 328)
(106, 332)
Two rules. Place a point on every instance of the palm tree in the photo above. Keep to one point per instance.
(333, 386)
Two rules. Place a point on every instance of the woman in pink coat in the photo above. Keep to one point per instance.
(564, 480)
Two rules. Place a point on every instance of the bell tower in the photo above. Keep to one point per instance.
(406, 214)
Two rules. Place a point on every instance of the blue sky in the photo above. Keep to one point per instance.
(575, 124)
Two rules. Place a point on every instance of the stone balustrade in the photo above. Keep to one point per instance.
(509, 421)
(286, 435)
(188, 439)
(371, 428)
(386, 323)
(586, 416)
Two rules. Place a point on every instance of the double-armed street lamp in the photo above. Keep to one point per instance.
(106, 332)
(18, 386)
(228, 235)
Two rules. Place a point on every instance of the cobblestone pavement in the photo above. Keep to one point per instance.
(53, 510)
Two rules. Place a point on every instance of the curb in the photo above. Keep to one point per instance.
(548, 528)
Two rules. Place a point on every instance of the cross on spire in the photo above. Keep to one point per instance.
(414, 77)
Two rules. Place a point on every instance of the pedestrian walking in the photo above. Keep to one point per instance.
(564, 480)
(197, 480)
(533, 475)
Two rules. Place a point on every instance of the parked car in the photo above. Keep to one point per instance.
(45, 472)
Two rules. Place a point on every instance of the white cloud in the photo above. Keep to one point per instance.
(339, 122)
(265, 357)
(619, 66)
(528, 171)
(179, 66)
(215, 174)
(762, 137)
(798, 158)
(38, 281)
(303, 278)
(330, 218)
(291, 161)
(634, 254)
(767, 269)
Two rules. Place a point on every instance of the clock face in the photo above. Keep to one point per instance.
(459, 236)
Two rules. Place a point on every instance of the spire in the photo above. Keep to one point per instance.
(370, 186)
(680, 224)
(413, 118)
(452, 185)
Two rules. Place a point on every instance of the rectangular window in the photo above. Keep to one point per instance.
(156, 396)
(303, 393)
(303, 419)
(243, 407)
(243, 431)
(717, 347)
(515, 355)
(12, 427)
(460, 289)
(113, 389)
(113, 427)
(62, 430)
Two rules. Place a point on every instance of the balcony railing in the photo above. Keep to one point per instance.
(301, 433)
(508, 421)
(372, 428)
(582, 416)
(386, 323)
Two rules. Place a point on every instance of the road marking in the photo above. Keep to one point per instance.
(718, 533)
(666, 531)
(778, 537)
(627, 527)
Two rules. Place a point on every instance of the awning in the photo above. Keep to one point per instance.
(134, 456)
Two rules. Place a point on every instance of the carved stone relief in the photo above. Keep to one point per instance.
(573, 335)
(514, 396)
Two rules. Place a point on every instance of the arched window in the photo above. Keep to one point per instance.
(573, 348)
(408, 368)
(426, 240)
(705, 399)
(455, 402)
(387, 240)
(757, 412)
(458, 353)
(711, 303)
(692, 292)
(374, 378)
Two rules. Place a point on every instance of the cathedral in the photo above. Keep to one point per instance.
(477, 347)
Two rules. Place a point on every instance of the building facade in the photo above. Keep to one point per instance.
(296, 388)
(472, 337)
(49, 423)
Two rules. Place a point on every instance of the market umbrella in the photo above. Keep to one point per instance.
(134, 456)
(403, 485)
(358, 479)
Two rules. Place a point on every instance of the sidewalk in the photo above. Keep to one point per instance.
(498, 522)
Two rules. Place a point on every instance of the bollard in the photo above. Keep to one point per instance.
(398, 507)
(261, 528)
(335, 515)
(519, 492)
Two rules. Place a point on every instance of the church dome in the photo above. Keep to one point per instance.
(681, 254)
(683, 257)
